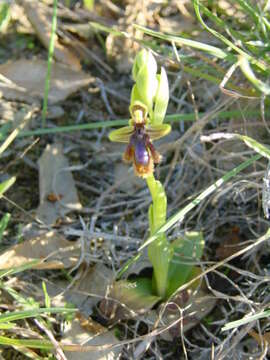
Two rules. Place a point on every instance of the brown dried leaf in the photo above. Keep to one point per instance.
(16, 93)
(201, 304)
(230, 243)
(265, 338)
(85, 31)
(39, 16)
(55, 182)
(90, 288)
(46, 248)
(93, 334)
(27, 79)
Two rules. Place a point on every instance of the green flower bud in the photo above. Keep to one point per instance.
(144, 73)
(143, 58)
(147, 86)
(161, 98)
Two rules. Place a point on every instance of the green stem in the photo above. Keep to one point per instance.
(151, 182)
(159, 251)
(50, 57)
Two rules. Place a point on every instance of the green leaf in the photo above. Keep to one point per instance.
(4, 15)
(161, 98)
(160, 254)
(255, 145)
(18, 315)
(89, 4)
(32, 343)
(248, 72)
(212, 50)
(5, 185)
(135, 294)
(151, 219)
(3, 224)
(6, 326)
(4, 129)
(197, 5)
(187, 251)
(19, 269)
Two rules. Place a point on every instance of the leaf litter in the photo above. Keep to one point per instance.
(39, 16)
(57, 191)
(26, 80)
(51, 249)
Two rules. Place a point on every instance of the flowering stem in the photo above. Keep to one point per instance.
(159, 251)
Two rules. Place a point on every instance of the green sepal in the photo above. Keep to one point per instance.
(161, 98)
(147, 86)
(144, 58)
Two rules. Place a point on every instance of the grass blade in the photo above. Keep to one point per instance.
(197, 6)
(18, 315)
(3, 224)
(50, 58)
(246, 320)
(212, 50)
(123, 122)
(5, 185)
(248, 72)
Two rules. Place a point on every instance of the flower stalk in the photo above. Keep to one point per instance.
(152, 90)
(148, 105)
(159, 251)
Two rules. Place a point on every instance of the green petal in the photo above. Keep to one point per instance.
(121, 135)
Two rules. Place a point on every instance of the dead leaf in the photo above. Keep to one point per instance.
(39, 16)
(89, 289)
(7, 111)
(53, 250)
(263, 338)
(84, 31)
(132, 183)
(22, 23)
(27, 78)
(55, 178)
(230, 243)
(201, 304)
(138, 266)
(78, 334)
(16, 93)
(122, 50)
